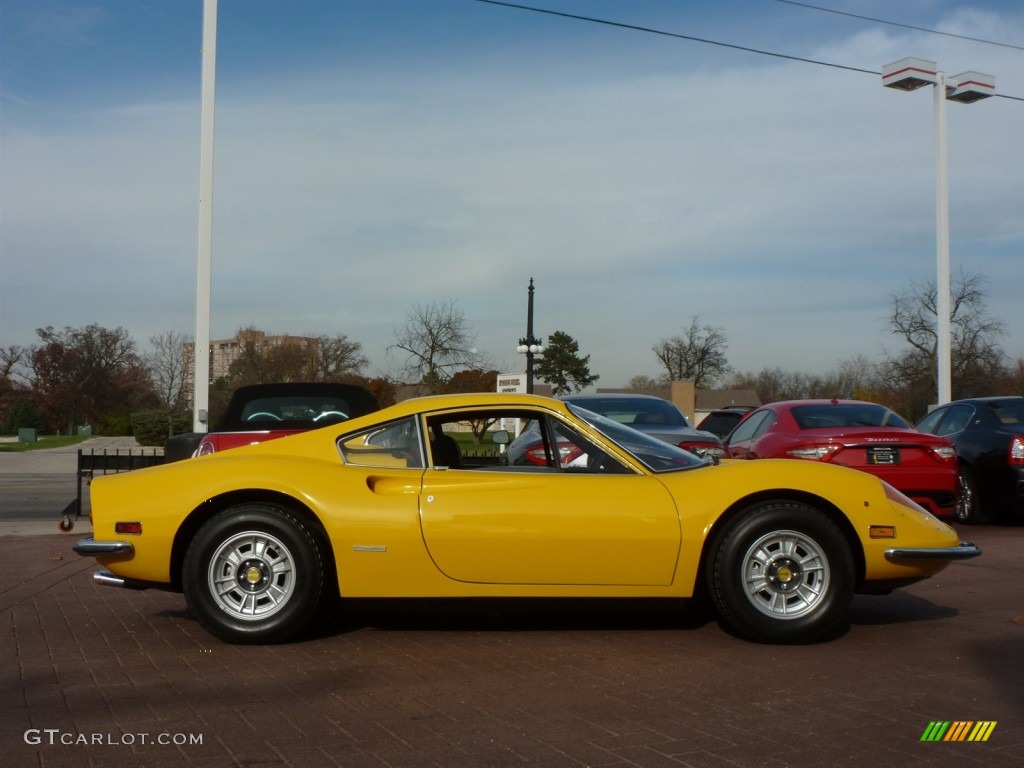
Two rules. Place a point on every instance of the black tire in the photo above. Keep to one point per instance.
(782, 573)
(968, 505)
(254, 574)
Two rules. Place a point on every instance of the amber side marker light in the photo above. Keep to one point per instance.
(128, 529)
(883, 532)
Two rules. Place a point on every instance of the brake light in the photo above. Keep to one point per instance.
(536, 455)
(944, 452)
(205, 449)
(814, 452)
(567, 453)
(1017, 451)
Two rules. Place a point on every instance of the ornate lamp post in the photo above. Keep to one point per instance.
(530, 345)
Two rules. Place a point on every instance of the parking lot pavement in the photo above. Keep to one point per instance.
(96, 676)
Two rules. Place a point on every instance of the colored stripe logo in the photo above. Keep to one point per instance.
(958, 730)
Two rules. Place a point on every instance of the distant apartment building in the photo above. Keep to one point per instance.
(224, 352)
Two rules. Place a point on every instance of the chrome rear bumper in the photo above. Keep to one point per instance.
(93, 548)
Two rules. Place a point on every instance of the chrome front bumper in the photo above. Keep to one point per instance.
(964, 551)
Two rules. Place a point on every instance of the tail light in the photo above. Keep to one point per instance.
(946, 453)
(567, 453)
(813, 452)
(1016, 456)
(205, 449)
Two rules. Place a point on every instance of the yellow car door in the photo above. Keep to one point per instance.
(501, 527)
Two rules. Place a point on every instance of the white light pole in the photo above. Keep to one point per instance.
(201, 348)
(909, 74)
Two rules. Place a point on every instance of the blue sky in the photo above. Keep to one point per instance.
(375, 156)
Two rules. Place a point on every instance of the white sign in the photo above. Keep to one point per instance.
(512, 383)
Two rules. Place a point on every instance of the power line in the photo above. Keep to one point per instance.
(691, 38)
(652, 31)
(904, 26)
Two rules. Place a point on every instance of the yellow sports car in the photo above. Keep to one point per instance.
(437, 498)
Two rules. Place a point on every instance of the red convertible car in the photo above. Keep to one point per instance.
(262, 412)
(855, 434)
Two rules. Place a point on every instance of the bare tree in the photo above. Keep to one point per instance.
(697, 355)
(436, 343)
(168, 363)
(337, 357)
(977, 359)
(10, 358)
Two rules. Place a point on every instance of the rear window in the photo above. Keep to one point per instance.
(628, 410)
(294, 406)
(306, 409)
(1009, 412)
(846, 415)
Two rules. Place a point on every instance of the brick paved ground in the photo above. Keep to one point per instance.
(629, 689)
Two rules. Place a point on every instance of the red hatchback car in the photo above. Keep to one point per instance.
(851, 433)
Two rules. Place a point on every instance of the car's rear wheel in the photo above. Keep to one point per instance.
(782, 573)
(968, 509)
(254, 573)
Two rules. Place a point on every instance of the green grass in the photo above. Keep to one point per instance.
(44, 442)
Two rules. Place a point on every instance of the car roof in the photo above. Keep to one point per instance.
(611, 396)
(990, 399)
(824, 401)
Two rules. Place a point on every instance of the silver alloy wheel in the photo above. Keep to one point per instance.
(965, 511)
(786, 574)
(251, 575)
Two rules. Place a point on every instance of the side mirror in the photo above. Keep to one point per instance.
(501, 437)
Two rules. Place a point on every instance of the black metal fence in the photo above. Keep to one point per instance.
(106, 462)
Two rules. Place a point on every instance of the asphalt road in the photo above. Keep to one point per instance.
(37, 486)
(36, 497)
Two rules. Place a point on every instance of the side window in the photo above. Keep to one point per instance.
(766, 423)
(930, 423)
(485, 439)
(576, 454)
(393, 445)
(512, 440)
(959, 417)
(751, 427)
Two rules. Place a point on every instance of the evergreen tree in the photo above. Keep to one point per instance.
(562, 367)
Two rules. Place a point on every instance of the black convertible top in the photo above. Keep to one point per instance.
(294, 405)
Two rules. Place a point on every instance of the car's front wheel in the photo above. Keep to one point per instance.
(254, 573)
(782, 573)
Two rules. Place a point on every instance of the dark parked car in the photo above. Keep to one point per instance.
(653, 416)
(988, 433)
(722, 421)
(855, 434)
(261, 412)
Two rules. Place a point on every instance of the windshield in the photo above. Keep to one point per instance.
(655, 454)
